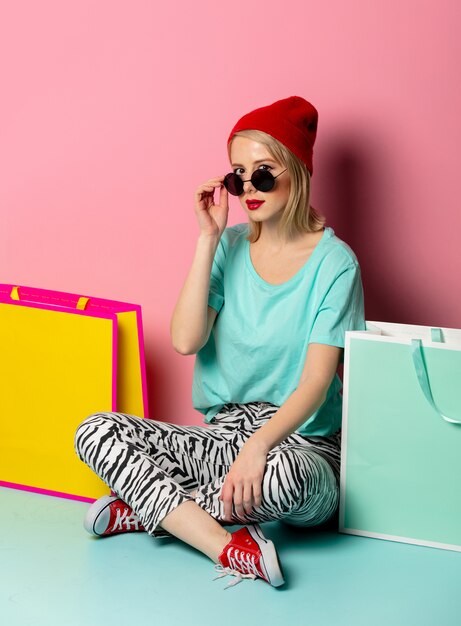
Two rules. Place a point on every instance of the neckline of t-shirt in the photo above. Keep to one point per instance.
(327, 233)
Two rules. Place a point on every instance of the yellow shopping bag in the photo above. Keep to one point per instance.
(62, 358)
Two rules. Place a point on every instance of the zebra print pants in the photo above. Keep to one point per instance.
(153, 466)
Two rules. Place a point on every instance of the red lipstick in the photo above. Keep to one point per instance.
(254, 204)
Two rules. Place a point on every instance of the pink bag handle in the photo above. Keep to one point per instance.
(80, 303)
(64, 300)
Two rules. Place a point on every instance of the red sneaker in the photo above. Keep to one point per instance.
(248, 555)
(110, 515)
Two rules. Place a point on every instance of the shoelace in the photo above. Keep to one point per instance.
(127, 517)
(228, 571)
(245, 562)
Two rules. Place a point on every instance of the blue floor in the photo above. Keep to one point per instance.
(53, 573)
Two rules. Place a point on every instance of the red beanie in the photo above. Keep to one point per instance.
(293, 121)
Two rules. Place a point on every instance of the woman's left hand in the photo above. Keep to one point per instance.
(243, 481)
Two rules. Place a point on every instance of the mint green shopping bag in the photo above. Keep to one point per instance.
(401, 435)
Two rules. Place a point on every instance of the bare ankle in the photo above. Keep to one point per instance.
(192, 524)
(222, 543)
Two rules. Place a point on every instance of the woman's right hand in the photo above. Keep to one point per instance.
(212, 218)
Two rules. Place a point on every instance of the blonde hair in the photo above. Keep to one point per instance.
(298, 216)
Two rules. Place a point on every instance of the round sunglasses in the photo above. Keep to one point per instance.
(262, 180)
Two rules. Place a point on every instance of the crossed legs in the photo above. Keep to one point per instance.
(172, 476)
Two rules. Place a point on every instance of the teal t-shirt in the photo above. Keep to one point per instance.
(258, 344)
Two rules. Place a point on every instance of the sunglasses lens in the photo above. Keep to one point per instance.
(262, 180)
(233, 184)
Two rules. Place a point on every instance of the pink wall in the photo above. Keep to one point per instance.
(112, 113)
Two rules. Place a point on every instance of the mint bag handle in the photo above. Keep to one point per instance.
(421, 371)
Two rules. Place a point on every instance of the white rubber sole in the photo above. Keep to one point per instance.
(270, 560)
(98, 515)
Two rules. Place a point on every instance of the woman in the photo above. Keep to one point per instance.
(265, 308)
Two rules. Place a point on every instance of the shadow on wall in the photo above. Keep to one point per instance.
(356, 207)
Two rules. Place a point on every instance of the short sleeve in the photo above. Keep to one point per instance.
(216, 292)
(342, 309)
